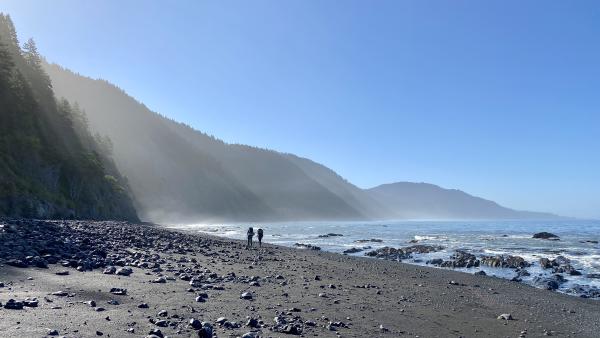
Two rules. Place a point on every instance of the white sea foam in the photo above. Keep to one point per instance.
(479, 238)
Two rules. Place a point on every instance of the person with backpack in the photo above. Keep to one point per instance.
(260, 236)
(250, 235)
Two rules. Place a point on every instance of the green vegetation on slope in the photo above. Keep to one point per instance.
(50, 165)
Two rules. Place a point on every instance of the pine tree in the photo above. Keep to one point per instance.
(6, 64)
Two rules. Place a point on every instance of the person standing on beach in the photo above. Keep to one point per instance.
(260, 236)
(250, 235)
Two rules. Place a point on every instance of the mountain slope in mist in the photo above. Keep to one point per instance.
(180, 174)
(409, 200)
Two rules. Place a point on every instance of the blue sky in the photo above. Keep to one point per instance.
(497, 98)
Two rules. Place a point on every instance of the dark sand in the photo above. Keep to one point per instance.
(406, 300)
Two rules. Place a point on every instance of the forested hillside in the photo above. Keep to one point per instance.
(180, 174)
(50, 165)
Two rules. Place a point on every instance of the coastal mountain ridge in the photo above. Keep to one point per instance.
(410, 200)
(179, 174)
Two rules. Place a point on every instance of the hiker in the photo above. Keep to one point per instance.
(250, 235)
(260, 236)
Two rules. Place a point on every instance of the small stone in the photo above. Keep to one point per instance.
(13, 305)
(505, 316)
(161, 323)
(156, 332)
(160, 280)
(246, 295)
(118, 291)
(124, 271)
(30, 302)
(195, 324)
(109, 270)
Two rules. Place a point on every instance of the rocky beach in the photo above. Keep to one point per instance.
(121, 279)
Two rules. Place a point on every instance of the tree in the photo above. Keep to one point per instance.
(6, 65)
(11, 30)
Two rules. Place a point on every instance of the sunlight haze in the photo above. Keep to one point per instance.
(498, 99)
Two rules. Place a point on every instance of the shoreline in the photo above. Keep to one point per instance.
(312, 293)
(502, 249)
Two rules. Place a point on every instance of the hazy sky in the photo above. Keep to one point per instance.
(497, 98)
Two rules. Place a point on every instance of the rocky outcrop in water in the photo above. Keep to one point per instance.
(560, 264)
(501, 261)
(390, 253)
(549, 283)
(306, 246)
(546, 235)
(460, 259)
(330, 235)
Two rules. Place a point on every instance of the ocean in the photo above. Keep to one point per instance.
(578, 242)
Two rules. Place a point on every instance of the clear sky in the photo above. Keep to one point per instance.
(497, 98)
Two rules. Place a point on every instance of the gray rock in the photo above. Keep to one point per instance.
(109, 270)
(13, 305)
(195, 324)
(124, 271)
(118, 291)
(505, 316)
